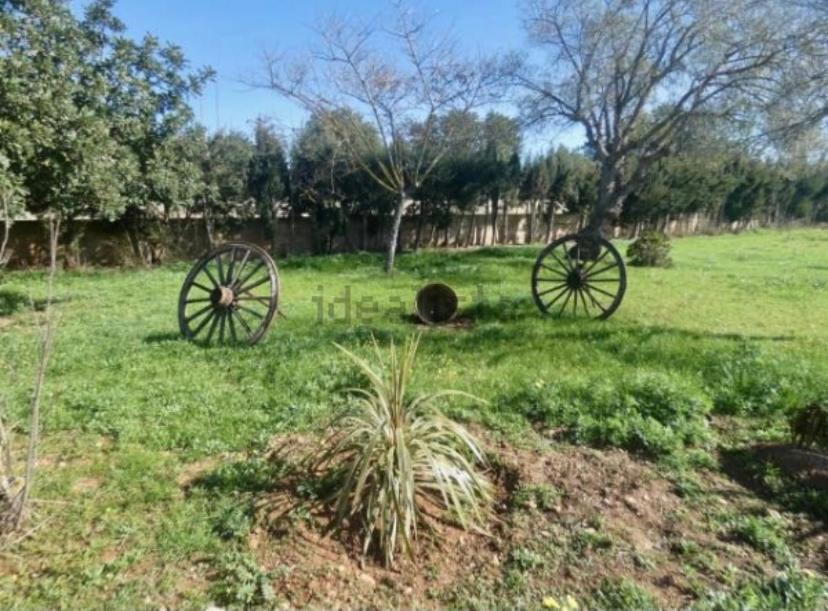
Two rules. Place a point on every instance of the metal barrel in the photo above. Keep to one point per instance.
(436, 303)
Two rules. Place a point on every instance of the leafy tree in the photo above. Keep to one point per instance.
(327, 184)
(499, 166)
(89, 134)
(224, 166)
(268, 179)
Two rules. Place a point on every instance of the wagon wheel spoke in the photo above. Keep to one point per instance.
(554, 271)
(596, 262)
(204, 322)
(242, 265)
(250, 287)
(565, 302)
(602, 270)
(242, 321)
(221, 327)
(258, 315)
(202, 287)
(212, 278)
(554, 288)
(240, 283)
(563, 292)
(229, 279)
(220, 268)
(192, 317)
(232, 327)
(213, 327)
(594, 301)
(200, 300)
(251, 297)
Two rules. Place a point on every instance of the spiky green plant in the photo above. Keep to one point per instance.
(393, 455)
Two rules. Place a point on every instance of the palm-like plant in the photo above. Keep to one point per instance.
(392, 456)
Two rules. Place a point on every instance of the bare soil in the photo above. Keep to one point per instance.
(612, 516)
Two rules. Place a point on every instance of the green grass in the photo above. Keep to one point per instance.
(738, 327)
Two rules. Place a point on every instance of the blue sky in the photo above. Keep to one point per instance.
(231, 36)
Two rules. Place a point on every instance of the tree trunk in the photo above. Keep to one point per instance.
(470, 230)
(274, 220)
(419, 232)
(493, 201)
(431, 235)
(530, 234)
(609, 202)
(458, 233)
(8, 221)
(550, 221)
(209, 225)
(394, 233)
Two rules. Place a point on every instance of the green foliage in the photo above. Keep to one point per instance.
(82, 133)
(651, 249)
(793, 589)
(809, 426)
(240, 581)
(622, 594)
(756, 381)
(536, 496)
(651, 413)
(524, 559)
(763, 533)
(394, 452)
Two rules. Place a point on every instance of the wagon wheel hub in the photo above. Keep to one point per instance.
(576, 279)
(222, 296)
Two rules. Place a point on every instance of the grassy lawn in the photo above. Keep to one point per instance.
(151, 455)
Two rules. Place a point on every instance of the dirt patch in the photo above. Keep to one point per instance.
(86, 485)
(808, 466)
(565, 518)
(458, 323)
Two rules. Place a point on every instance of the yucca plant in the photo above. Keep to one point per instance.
(392, 455)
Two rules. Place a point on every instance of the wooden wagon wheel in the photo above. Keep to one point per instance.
(231, 294)
(579, 275)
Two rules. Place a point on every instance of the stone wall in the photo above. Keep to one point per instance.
(97, 242)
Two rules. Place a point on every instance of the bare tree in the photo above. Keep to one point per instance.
(633, 72)
(400, 79)
(15, 490)
(797, 108)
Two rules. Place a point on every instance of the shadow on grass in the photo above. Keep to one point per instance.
(161, 338)
(12, 302)
(244, 476)
(793, 478)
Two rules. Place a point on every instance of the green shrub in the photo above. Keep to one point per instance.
(240, 581)
(750, 381)
(536, 496)
(793, 590)
(393, 453)
(622, 594)
(765, 534)
(651, 413)
(651, 249)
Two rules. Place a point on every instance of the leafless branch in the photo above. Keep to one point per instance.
(17, 501)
